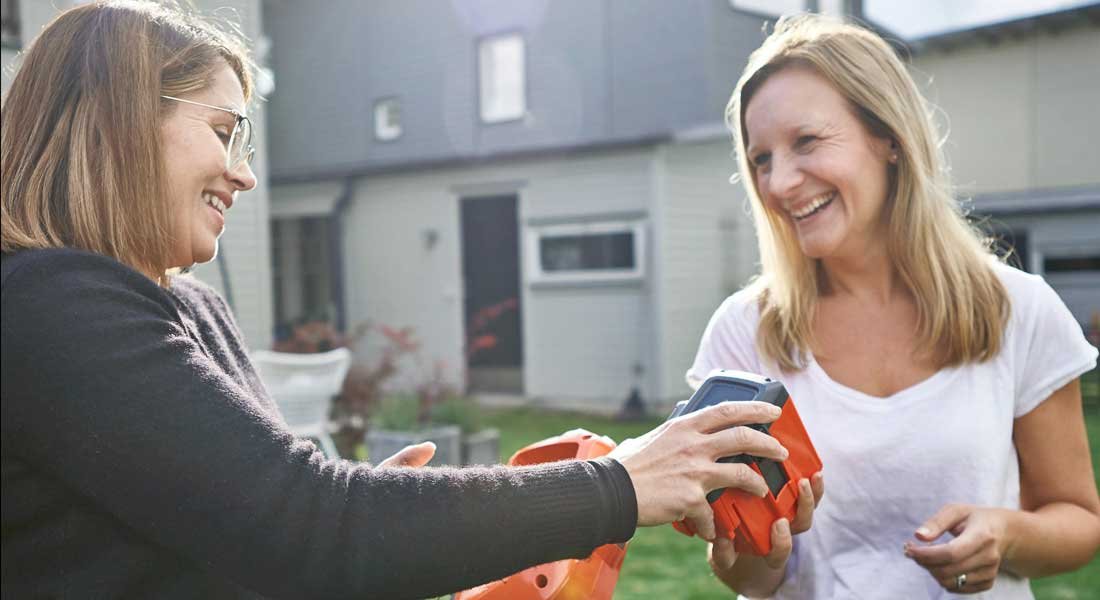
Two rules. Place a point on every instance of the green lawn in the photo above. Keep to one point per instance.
(662, 563)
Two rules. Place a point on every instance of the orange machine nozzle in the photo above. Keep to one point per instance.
(593, 578)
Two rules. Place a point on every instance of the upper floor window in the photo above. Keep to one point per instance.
(771, 8)
(10, 28)
(387, 119)
(502, 78)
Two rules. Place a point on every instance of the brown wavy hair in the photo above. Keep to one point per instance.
(943, 261)
(80, 151)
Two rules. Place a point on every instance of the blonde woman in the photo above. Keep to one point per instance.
(143, 457)
(940, 386)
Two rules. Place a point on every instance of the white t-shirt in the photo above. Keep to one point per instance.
(891, 463)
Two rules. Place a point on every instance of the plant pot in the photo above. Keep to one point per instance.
(481, 447)
(384, 443)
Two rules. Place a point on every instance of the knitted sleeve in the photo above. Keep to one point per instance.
(104, 389)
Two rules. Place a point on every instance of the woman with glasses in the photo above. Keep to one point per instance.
(142, 456)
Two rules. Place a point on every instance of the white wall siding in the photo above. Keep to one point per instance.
(7, 67)
(582, 345)
(393, 279)
(586, 184)
(707, 250)
(1022, 113)
(1067, 108)
(246, 243)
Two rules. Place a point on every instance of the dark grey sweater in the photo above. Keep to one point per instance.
(143, 458)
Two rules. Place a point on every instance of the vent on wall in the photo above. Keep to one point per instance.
(387, 119)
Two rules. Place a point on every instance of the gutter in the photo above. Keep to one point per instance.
(336, 252)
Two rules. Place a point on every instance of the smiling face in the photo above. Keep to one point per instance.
(816, 166)
(200, 188)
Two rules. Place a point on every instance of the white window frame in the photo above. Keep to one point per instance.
(535, 233)
(494, 82)
(767, 7)
(383, 131)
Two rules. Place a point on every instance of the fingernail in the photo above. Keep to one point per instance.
(924, 531)
(906, 549)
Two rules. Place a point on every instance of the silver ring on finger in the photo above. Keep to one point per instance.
(960, 581)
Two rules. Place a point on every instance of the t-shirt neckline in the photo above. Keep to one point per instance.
(921, 389)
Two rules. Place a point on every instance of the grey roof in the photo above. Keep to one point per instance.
(1049, 200)
(992, 33)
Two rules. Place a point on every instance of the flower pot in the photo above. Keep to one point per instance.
(384, 443)
(481, 447)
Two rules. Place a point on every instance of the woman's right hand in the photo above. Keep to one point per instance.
(810, 492)
(674, 466)
(759, 576)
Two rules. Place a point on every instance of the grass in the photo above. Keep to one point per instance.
(662, 563)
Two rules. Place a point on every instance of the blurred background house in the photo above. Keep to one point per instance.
(564, 159)
(570, 157)
(548, 181)
(1021, 101)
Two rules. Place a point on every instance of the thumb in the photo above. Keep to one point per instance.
(722, 553)
(701, 520)
(411, 456)
(947, 519)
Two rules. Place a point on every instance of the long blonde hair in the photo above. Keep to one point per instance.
(80, 151)
(943, 261)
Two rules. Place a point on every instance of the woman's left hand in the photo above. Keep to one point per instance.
(416, 455)
(969, 563)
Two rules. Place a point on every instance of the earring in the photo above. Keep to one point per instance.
(894, 157)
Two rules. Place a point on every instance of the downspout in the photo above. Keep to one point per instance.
(223, 270)
(336, 252)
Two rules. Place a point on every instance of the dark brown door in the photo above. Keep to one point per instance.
(490, 266)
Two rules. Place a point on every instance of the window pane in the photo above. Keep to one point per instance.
(770, 7)
(502, 79)
(1071, 263)
(9, 23)
(587, 252)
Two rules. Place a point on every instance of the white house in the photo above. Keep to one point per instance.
(443, 160)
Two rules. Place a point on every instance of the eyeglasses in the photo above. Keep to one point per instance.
(239, 148)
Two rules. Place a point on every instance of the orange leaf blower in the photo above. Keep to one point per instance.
(572, 579)
(739, 515)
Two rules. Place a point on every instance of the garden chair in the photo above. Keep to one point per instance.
(303, 385)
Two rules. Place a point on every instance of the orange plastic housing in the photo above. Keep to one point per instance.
(594, 577)
(743, 517)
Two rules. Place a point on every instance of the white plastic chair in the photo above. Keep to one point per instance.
(303, 386)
